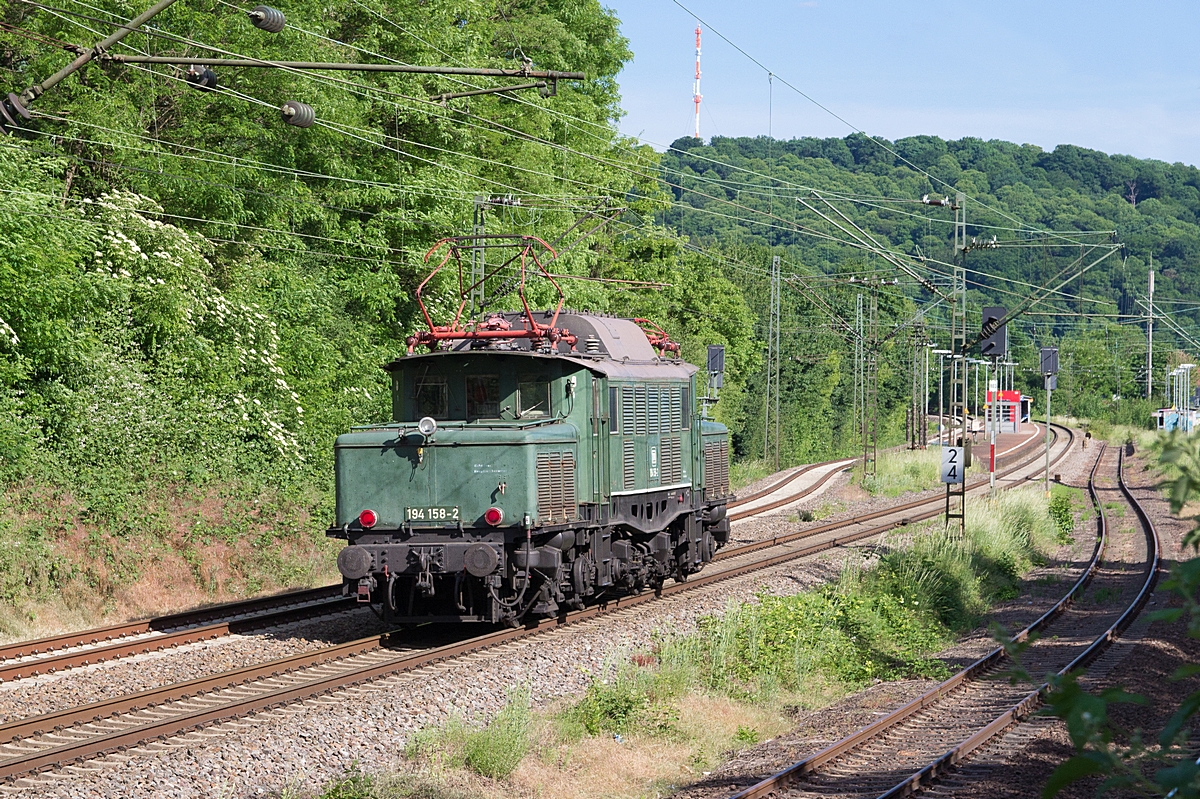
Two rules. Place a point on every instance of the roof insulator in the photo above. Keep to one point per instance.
(300, 115)
(268, 19)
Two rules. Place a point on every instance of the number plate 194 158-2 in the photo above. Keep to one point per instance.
(434, 514)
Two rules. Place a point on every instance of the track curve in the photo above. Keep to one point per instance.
(955, 718)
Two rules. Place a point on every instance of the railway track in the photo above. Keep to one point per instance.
(897, 515)
(50, 655)
(835, 468)
(910, 747)
(50, 740)
(759, 508)
(54, 654)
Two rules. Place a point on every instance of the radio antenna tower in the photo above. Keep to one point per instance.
(696, 96)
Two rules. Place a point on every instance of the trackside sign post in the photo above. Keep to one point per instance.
(952, 465)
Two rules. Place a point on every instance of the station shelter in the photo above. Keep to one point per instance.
(1007, 406)
(1168, 419)
(1026, 407)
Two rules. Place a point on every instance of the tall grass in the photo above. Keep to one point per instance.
(958, 578)
(901, 471)
(881, 623)
(744, 472)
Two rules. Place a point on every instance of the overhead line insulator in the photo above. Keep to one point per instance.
(297, 114)
(201, 78)
(268, 19)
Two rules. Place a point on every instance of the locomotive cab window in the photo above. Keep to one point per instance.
(431, 397)
(533, 398)
(483, 396)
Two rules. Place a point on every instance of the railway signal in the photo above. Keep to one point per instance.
(995, 333)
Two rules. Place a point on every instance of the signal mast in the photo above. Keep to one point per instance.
(696, 97)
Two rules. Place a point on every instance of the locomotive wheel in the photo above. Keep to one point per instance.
(583, 576)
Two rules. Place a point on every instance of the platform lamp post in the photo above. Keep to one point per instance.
(928, 346)
(1185, 370)
(941, 392)
(1049, 370)
(1173, 378)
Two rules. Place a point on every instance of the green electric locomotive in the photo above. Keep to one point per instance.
(535, 461)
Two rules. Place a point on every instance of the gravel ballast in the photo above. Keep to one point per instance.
(315, 741)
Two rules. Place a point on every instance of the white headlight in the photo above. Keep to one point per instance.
(427, 426)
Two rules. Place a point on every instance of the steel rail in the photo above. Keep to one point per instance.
(781, 780)
(156, 643)
(771, 489)
(893, 509)
(72, 720)
(733, 517)
(779, 503)
(1034, 699)
(95, 645)
(202, 616)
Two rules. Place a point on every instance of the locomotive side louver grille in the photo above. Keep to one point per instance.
(677, 408)
(672, 466)
(716, 469)
(723, 467)
(653, 393)
(556, 487)
(639, 398)
(628, 464)
(627, 410)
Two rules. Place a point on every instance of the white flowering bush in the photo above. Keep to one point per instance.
(213, 357)
(156, 394)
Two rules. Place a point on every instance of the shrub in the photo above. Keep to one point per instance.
(631, 699)
(494, 750)
(879, 624)
(1062, 511)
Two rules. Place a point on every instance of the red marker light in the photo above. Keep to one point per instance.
(493, 516)
(368, 518)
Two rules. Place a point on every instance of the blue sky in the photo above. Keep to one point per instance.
(1121, 77)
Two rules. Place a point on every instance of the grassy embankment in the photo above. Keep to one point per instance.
(660, 717)
(908, 471)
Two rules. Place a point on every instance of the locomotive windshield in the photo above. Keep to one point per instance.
(533, 398)
(483, 396)
(432, 397)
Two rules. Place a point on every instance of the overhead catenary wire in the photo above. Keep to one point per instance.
(829, 238)
(410, 99)
(407, 32)
(772, 226)
(725, 200)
